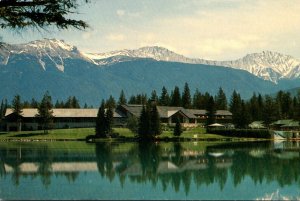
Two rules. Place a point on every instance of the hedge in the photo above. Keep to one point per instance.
(246, 133)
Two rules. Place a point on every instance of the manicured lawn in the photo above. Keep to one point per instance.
(81, 133)
(67, 134)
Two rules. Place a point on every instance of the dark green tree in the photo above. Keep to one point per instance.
(154, 97)
(132, 100)
(45, 113)
(34, 103)
(3, 108)
(186, 97)
(122, 99)
(243, 116)
(221, 100)
(17, 107)
(297, 108)
(197, 100)
(144, 123)
(132, 124)
(109, 120)
(164, 98)
(18, 14)
(177, 130)
(75, 102)
(270, 112)
(101, 121)
(110, 102)
(141, 99)
(155, 127)
(176, 97)
(210, 111)
(235, 107)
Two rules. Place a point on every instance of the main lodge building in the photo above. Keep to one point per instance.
(84, 118)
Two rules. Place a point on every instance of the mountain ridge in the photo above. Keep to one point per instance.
(268, 65)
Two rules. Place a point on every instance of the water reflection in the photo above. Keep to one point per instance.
(172, 165)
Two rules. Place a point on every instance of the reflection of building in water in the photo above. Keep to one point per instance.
(57, 167)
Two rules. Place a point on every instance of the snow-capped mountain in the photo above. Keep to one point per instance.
(267, 65)
(48, 49)
(32, 68)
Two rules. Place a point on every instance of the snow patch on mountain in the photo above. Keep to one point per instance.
(56, 50)
(267, 65)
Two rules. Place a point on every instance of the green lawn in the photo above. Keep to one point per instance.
(67, 134)
(81, 133)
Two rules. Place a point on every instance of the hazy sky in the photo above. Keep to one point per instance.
(209, 29)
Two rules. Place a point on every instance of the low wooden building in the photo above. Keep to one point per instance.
(63, 118)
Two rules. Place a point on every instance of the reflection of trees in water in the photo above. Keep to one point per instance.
(40, 156)
(104, 159)
(169, 164)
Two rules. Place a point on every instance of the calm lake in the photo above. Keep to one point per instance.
(190, 170)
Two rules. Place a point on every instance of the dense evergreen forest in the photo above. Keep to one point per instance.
(267, 108)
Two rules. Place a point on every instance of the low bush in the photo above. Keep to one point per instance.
(245, 133)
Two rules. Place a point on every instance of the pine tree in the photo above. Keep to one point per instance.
(164, 98)
(45, 113)
(144, 124)
(198, 100)
(269, 110)
(243, 117)
(177, 130)
(109, 120)
(221, 100)
(101, 121)
(186, 97)
(176, 97)
(210, 111)
(132, 100)
(17, 107)
(19, 14)
(2, 112)
(235, 107)
(122, 98)
(154, 97)
(110, 103)
(34, 103)
(75, 102)
(155, 127)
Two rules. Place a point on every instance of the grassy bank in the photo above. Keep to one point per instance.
(81, 133)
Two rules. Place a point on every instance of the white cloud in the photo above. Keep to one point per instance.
(121, 13)
(223, 34)
(115, 37)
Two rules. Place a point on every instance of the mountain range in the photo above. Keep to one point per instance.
(32, 68)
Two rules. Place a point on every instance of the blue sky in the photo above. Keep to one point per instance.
(209, 29)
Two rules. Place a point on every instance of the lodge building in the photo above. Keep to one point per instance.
(85, 118)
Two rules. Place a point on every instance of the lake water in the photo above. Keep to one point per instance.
(190, 170)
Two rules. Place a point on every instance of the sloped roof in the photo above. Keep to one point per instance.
(166, 112)
(282, 122)
(223, 113)
(65, 112)
(135, 110)
(197, 112)
(291, 124)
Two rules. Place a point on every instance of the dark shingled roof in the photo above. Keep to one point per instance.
(223, 113)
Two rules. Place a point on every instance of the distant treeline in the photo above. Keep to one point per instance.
(258, 108)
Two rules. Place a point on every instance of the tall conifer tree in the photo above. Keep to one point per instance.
(186, 97)
(45, 112)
